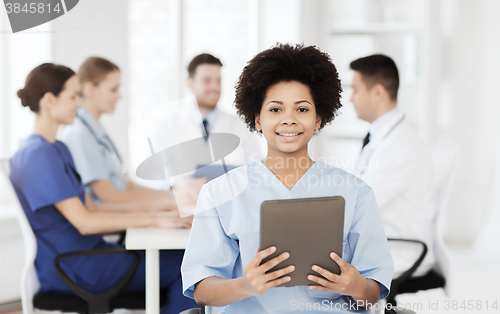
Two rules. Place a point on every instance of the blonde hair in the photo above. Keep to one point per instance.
(94, 70)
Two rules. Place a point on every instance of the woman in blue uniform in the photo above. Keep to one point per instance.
(287, 94)
(63, 217)
(96, 158)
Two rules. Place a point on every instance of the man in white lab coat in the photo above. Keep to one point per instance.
(197, 117)
(394, 161)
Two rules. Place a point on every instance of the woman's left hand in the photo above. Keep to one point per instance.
(349, 282)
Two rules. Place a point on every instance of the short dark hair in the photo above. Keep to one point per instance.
(204, 58)
(286, 63)
(45, 78)
(378, 69)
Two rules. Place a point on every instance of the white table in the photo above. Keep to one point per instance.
(153, 240)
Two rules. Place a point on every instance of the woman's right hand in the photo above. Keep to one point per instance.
(255, 279)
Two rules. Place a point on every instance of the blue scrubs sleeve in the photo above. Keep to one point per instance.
(210, 251)
(367, 240)
(89, 160)
(44, 179)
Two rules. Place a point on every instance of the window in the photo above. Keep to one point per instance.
(166, 35)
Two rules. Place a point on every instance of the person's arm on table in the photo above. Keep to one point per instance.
(106, 192)
(215, 291)
(90, 222)
(127, 207)
(186, 194)
(136, 188)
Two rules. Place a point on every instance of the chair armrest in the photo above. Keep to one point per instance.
(121, 236)
(192, 311)
(407, 274)
(98, 303)
(399, 311)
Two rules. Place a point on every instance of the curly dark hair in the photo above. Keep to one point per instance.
(287, 63)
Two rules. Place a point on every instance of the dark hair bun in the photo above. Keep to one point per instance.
(20, 94)
(45, 78)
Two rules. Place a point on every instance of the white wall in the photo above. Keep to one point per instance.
(19, 54)
(470, 111)
(98, 28)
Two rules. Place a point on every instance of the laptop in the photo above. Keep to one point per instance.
(309, 229)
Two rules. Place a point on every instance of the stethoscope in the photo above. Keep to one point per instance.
(383, 138)
(113, 152)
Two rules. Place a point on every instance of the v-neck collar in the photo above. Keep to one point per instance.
(271, 179)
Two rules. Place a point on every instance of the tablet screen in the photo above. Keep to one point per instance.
(309, 229)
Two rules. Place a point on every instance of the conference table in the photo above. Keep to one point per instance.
(153, 240)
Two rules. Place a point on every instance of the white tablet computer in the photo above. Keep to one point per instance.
(309, 229)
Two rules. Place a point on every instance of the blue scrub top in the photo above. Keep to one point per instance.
(43, 173)
(226, 232)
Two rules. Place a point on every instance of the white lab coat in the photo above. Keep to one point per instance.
(396, 165)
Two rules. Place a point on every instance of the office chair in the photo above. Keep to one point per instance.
(196, 311)
(444, 158)
(83, 301)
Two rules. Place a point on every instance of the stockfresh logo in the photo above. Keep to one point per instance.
(26, 14)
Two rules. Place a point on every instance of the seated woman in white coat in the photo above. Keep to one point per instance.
(287, 94)
(96, 157)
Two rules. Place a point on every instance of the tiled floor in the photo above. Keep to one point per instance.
(17, 311)
(11, 308)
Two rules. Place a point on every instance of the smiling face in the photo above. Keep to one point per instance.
(62, 109)
(288, 119)
(104, 96)
(206, 86)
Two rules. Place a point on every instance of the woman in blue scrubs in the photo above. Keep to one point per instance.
(63, 217)
(287, 94)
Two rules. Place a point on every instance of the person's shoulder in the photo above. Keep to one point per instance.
(407, 133)
(336, 171)
(74, 132)
(343, 178)
(35, 145)
(223, 114)
(404, 140)
(231, 121)
(35, 150)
